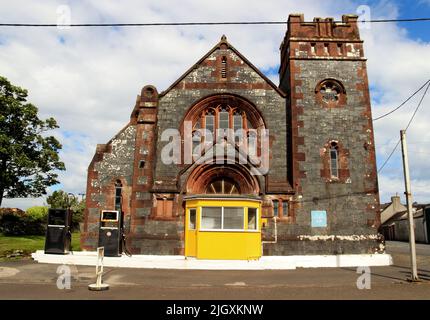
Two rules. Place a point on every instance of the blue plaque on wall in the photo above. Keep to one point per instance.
(319, 219)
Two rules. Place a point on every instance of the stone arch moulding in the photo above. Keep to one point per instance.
(202, 175)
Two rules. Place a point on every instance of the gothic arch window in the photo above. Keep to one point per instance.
(331, 93)
(334, 160)
(118, 195)
(221, 120)
(225, 117)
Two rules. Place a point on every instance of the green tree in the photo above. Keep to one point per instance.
(28, 157)
(62, 200)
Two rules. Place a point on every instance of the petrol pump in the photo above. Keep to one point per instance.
(58, 232)
(111, 233)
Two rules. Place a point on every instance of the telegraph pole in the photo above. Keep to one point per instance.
(408, 194)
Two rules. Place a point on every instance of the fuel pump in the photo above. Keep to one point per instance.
(110, 233)
(58, 234)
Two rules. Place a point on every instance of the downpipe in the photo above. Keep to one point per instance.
(274, 241)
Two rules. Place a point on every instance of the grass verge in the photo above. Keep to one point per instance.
(27, 245)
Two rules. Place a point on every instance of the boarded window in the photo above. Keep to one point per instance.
(164, 208)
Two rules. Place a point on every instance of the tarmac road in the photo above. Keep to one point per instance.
(29, 280)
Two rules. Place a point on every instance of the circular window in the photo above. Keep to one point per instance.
(330, 92)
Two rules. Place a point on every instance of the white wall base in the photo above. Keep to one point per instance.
(89, 258)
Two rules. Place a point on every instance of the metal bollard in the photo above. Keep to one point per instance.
(99, 285)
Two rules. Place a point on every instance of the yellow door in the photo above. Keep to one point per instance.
(191, 232)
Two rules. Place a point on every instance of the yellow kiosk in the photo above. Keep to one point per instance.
(223, 228)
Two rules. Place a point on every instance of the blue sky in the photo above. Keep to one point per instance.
(88, 78)
(414, 9)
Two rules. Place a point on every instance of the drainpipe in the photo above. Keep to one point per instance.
(276, 236)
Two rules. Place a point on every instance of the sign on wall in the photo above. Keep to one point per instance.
(318, 219)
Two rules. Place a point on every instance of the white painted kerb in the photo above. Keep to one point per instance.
(89, 258)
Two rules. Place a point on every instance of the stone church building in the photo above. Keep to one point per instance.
(299, 176)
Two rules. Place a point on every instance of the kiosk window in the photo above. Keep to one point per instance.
(252, 218)
(233, 218)
(227, 218)
(192, 225)
(211, 218)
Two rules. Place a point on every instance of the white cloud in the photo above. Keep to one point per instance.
(89, 83)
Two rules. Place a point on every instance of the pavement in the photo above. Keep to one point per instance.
(27, 279)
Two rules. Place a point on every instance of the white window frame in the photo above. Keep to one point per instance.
(222, 220)
(256, 218)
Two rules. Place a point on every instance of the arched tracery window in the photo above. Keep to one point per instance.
(224, 117)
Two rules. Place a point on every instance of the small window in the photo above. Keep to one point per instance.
(252, 218)
(193, 214)
(275, 208)
(141, 164)
(285, 208)
(334, 160)
(118, 195)
(224, 67)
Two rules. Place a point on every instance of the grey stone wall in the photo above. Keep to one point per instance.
(174, 105)
(158, 237)
(348, 205)
(119, 162)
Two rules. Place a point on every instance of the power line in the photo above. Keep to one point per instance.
(403, 103)
(416, 110)
(389, 157)
(158, 24)
(407, 127)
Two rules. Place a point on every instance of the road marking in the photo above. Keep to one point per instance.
(8, 272)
